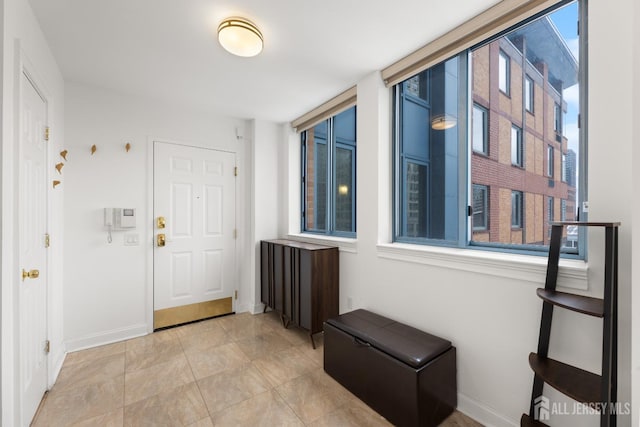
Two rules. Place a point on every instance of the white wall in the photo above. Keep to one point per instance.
(266, 206)
(24, 44)
(635, 300)
(107, 286)
(610, 156)
(492, 316)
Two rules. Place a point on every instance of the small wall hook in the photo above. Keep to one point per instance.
(93, 149)
(55, 182)
(127, 147)
(59, 167)
(63, 154)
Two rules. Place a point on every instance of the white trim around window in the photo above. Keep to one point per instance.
(573, 273)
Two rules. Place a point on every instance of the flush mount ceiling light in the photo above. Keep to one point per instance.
(240, 37)
(443, 121)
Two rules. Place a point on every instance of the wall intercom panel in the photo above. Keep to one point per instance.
(119, 218)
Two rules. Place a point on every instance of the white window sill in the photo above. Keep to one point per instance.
(572, 273)
(345, 244)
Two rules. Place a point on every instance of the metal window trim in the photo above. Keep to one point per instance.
(397, 169)
(331, 141)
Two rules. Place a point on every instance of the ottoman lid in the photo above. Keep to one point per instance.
(409, 345)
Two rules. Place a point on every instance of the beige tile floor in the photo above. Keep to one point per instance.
(231, 371)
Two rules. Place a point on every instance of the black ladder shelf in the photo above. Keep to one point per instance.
(578, 384)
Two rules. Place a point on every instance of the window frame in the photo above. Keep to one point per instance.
(485, 209)
(529, 93)
(519, 147)
(332, 142)
(581, 186)
(485, 129)
(550, 161)
(507, 72)
(557, 119)
(517, 209)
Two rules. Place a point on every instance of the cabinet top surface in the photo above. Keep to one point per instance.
(300, 245)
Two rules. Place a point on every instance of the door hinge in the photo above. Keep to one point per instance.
(235, 171)
(235, 233)
(236, 294)
(46, 133)
(47, 240)
(47, 347)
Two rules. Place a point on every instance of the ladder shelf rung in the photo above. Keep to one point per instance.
(586, 223)
(581, 304)
(578, 384)
(527, 421)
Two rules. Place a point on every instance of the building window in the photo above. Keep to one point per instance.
(328, 172)
(480, 207)
(516, 146)
(528, 94)
(504, 73)
(563, 210)
(480, 127)
(550, 209)
(427, 152)
(557, 119)
(437, 196)
(550, 165)
(516, 209)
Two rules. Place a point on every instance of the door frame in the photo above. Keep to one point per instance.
(150, 221)
(11, 378)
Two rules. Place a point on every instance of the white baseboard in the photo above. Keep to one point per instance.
(243, 307)
(56, 366)
(257, 308)
(483, 414)
(106, 337)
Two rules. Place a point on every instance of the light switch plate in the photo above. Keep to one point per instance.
(131, 239)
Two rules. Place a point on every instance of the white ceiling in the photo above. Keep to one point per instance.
(167, 49)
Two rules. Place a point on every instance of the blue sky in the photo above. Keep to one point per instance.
(566, 20)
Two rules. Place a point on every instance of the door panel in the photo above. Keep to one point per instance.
(194, 189)
(32, 290)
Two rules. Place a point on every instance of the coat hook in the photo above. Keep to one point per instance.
(59, 167)
(55, 182)
(63, 154)
(127, 147)
(93, 149)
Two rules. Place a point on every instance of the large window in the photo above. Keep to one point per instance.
(427, 155)
(443, 190)
(328, 176)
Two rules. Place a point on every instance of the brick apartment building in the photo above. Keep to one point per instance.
(523, 173)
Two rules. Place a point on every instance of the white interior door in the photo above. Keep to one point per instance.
(194, 210)
(32, 287)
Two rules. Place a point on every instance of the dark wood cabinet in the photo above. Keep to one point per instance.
(301, 281)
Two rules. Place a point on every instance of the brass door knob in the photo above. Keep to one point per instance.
(32, 274)
(160, 240)
(160, 222)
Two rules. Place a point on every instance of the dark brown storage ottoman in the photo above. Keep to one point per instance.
(408, 376)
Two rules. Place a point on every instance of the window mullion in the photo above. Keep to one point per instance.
(331, 174)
